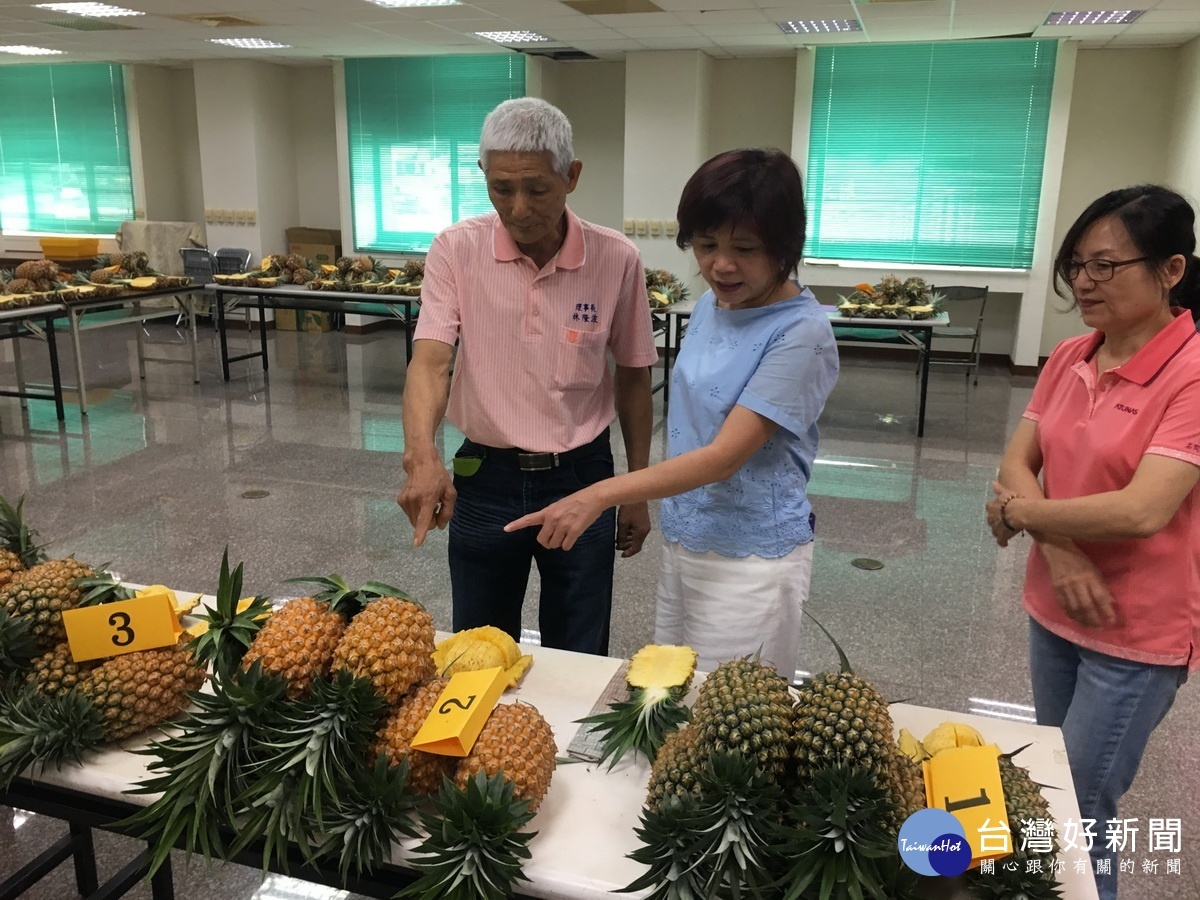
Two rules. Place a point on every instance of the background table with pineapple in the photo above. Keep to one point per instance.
(585, 825)
(920, 329)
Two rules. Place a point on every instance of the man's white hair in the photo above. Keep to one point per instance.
(528, 125)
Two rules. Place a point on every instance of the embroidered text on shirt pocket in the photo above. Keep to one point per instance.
(581, 359)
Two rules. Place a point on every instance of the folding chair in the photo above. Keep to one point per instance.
(960, 303)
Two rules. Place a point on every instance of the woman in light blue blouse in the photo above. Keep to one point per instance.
(746, 391)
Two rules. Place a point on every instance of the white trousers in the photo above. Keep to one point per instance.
(729, 607)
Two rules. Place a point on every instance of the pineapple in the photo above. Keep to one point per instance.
(136, 691)
(658, 678)
(390, 642)
(17, 649)
(302, 276)
(21, 286)
(18, 549)
(474, 846)
(299, 639)
(676, 767)
(518, 743)
(202, 767)
(100, 276)
(835, 841)
(1023, 802)
(426, 771)
(745, 705)
(55, 672)
(715, 842)
(40, 595)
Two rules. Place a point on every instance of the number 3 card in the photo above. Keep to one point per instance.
(460, 713)
(110, 629)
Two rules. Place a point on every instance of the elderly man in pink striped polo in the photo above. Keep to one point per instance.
(537, 300)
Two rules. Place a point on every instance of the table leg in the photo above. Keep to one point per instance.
(141, 340)
(927, 340)
(84, 855)
(189, 301)
(162, 882)
(262, 330)
(80, 385)
(16, 345)
(55, 373)
(220, 301)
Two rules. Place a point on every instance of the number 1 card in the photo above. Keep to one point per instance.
(110, 629)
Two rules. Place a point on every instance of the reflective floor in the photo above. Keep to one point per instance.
(296, 471)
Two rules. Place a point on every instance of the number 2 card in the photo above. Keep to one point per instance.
(460, 713)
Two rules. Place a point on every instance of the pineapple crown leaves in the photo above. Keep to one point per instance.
(230, 629)
(372, 815)
(836, 843)
(473, 849)
(346, 600)
(843, 660)
(641, 724)
(721, 839)
(17, 647)
(202, 766)
(17, 536)
(102, 587)
(304, 757)
(1010, 756)
(40, 731)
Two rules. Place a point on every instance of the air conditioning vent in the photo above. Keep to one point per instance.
(562, 54)
(218, 20)
(84, 23)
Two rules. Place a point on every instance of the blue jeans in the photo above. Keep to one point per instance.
(489, 569)
(1107, 708)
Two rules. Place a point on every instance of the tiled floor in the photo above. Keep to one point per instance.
(163, 473)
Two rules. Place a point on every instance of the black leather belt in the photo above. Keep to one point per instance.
(528, 461)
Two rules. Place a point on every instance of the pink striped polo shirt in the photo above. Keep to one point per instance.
(1093, 433)
(533, 345)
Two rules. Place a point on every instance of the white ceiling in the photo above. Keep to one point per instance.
(323, 29)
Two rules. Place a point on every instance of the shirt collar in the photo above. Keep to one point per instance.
(570, 255)
(1156, 353)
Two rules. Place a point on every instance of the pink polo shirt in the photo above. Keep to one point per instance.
(1092, 435)
(532, 367)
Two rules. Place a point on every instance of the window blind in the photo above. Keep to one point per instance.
(413, 127)
(64, 149)
(929, 153)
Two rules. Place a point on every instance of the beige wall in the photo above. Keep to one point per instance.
(592, 94)
(751, 104)
(1118, 134)
(312, 133)
(169, 144)
(1183, 151)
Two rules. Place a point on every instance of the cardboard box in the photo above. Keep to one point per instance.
(321, 245)
(303, 320)
(69, 247)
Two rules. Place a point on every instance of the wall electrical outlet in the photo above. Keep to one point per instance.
(629, 226)
(210, 216)
(642, 227)
(655, 227)
(251, 216)
(239, 217)
(671, 228)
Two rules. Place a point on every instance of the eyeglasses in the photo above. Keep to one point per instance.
(1097, 269)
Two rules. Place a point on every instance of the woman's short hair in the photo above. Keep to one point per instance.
(528, 125)
(760, 189)
(1160, 224)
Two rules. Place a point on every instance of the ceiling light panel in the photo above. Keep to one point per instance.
(512, 37)
(397, 4)
(819, 26)
(23, 50)
(91, 10)
(249, 43)
(1095, 17)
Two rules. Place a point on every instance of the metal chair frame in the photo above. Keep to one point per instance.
(957, 294)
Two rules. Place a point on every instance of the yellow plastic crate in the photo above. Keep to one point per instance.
(69, 247)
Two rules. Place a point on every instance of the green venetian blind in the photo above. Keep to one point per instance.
(414, 126)
(929, 153)
(64, 149)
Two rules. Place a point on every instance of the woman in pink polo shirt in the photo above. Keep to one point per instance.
(1112, 586)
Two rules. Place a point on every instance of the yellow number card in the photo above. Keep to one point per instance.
(460, 712)
(966, 783)
(110, 629)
